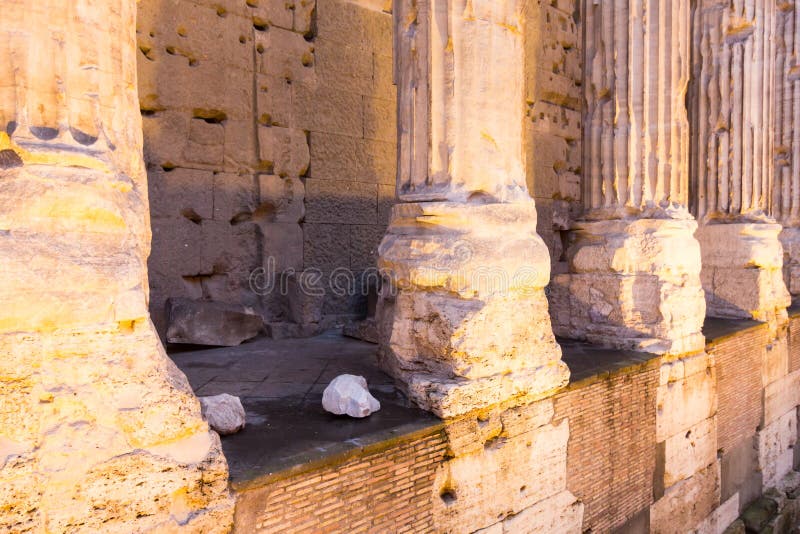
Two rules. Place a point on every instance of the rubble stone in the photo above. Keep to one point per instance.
(348, 395)
(224, 413)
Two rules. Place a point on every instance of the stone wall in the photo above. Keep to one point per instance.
(269, 132)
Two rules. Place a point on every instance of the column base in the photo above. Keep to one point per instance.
(790, 240)
(463, 321)
(633, 285)
(743, 271)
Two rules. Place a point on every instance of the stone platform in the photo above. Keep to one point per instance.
(296, 468)
(280, 383)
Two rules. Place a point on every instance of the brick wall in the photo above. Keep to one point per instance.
(612, 459)
(611, 451)
(388, 488)
(739, 387)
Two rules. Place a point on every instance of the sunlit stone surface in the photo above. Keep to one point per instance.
(99, 431)
(463, 318)
(731, 101)
(634, 279)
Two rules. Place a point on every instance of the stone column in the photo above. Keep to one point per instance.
(786, 188)
(732, 106)
(99, 430)
(634, 278)
(463, 317)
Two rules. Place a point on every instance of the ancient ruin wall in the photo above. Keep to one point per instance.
(269, 132)
(99, 431)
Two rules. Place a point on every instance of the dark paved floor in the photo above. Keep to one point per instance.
(280, 383)
(585, 360)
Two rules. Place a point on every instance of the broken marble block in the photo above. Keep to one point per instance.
(210, 323)
(224, 413)
(348, 394)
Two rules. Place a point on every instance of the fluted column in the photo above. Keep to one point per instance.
(99, 431)
(634, 264)
(785, 202)
(732, 105)
(463, 316)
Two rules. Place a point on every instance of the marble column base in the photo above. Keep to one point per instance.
(633, 285)
(743, 271)
(463, 321)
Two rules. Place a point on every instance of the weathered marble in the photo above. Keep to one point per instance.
(463, 318)
(224, 413)
(732, 101)
(349, 395)
(785, 201)
(99, 430)
(634, 266)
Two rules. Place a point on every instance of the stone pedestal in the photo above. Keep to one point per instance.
(463, 322)
(463, 317)
(743, 271)
(632, 285)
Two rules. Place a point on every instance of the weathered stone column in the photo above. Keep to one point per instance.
(99, 431)
(634, 278)
(732, 106)
(786, 188)
(463, 318)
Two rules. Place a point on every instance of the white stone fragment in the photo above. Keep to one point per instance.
(224, 413)
(348, 394)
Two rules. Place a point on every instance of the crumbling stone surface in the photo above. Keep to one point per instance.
(742, 264)
(462, 320)
(209, 323)
(99, 431)
(633, 284)
(507, 472)
(633, 264)
(743, 271)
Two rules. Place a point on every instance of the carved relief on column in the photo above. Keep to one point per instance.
(97, 424)
(634, 264)
(786, 188)
(463, 317)
(732, 105)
